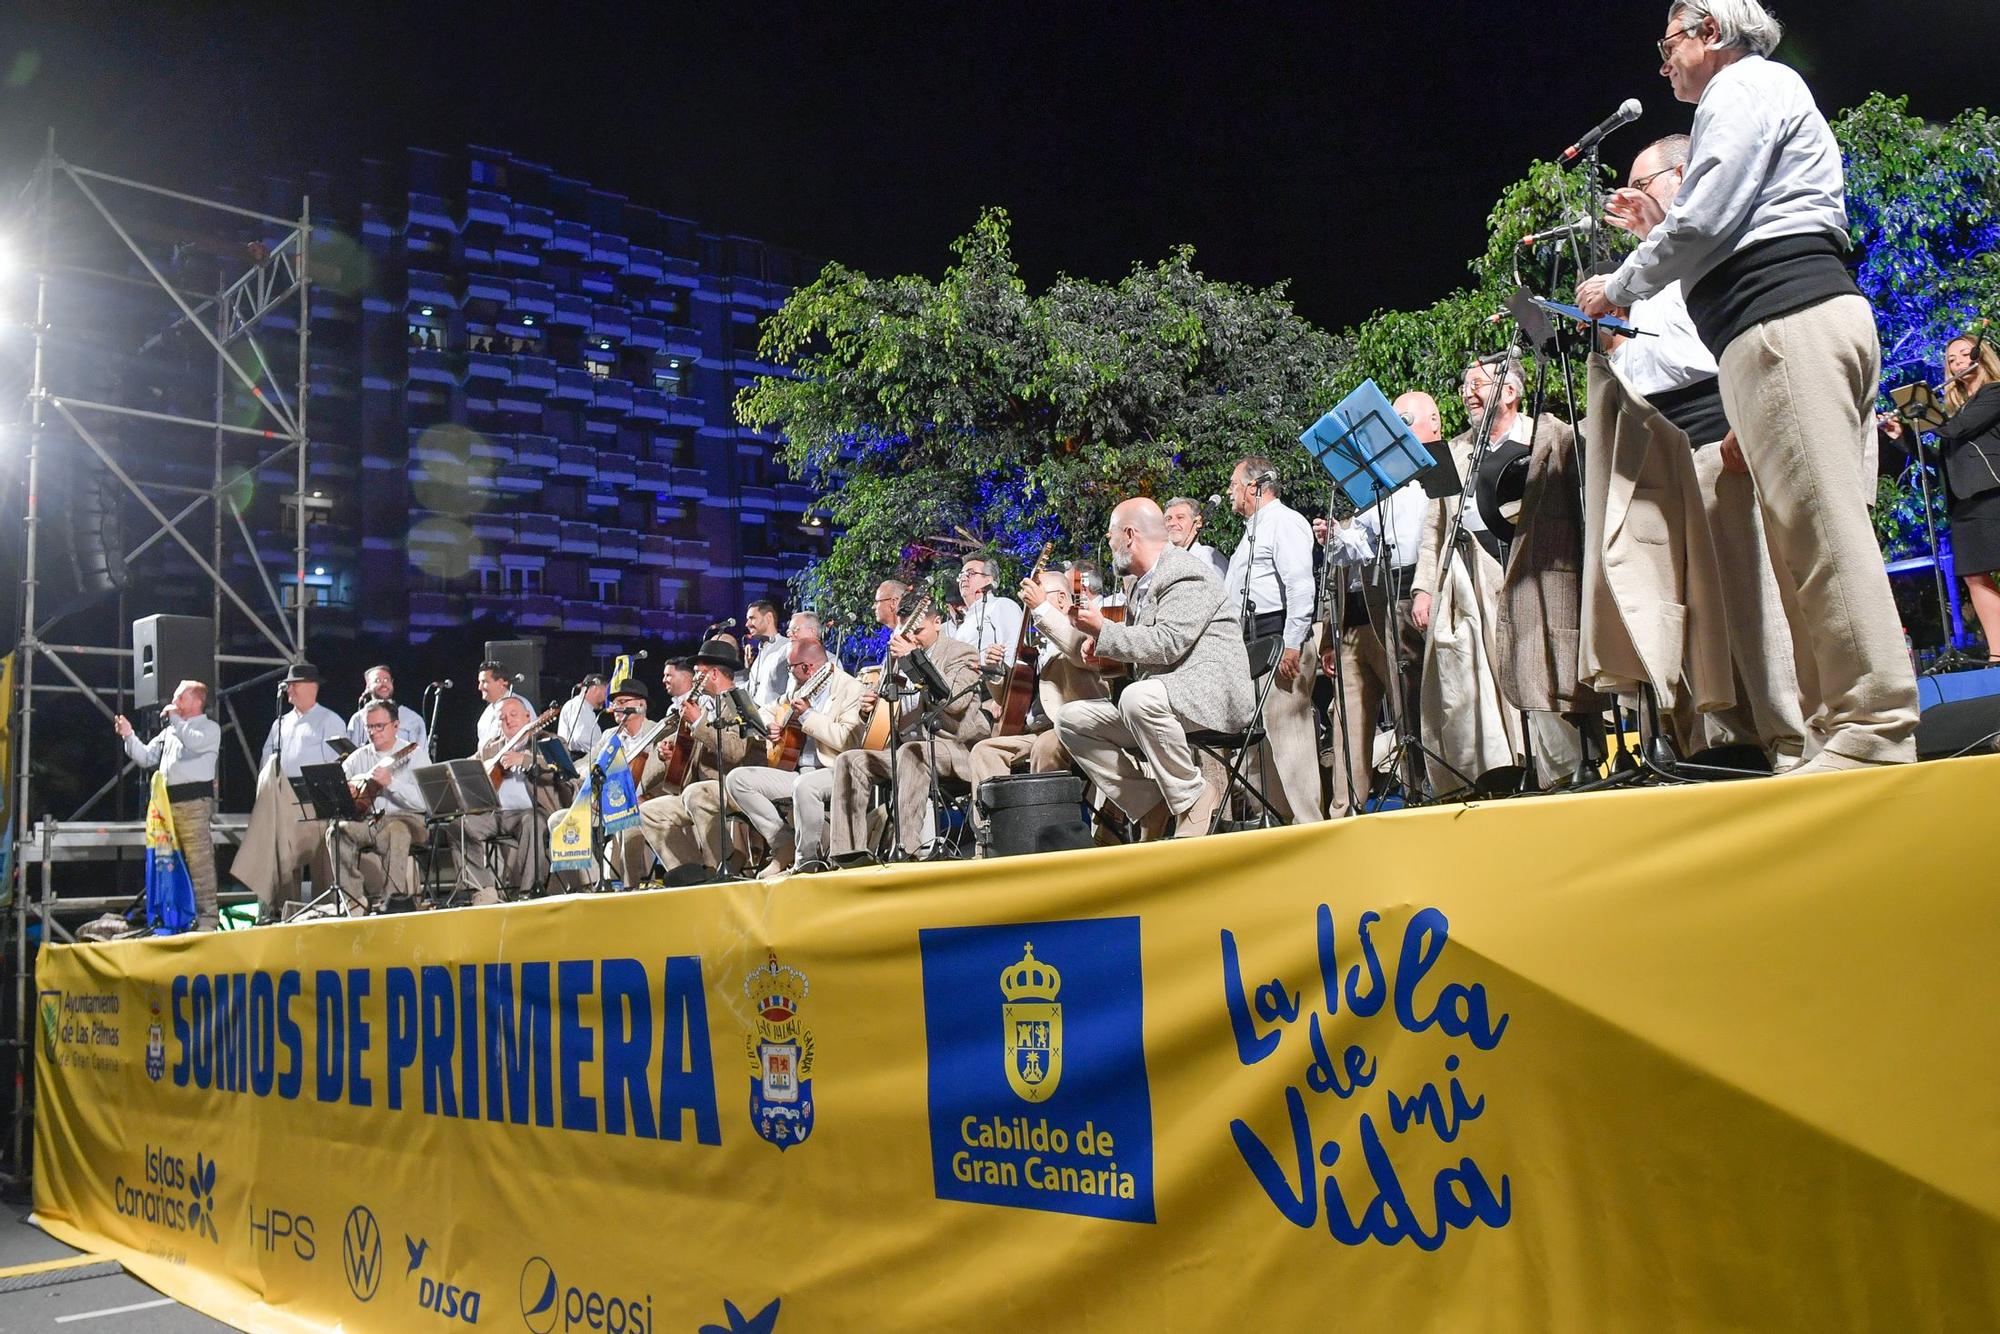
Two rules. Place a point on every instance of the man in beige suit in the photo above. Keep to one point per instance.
(685, 828)
(831, 721)
(960, 723)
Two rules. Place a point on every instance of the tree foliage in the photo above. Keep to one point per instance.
(938, 417)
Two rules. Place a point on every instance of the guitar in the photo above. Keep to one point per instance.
(1020, 695)
(368, 790)
(643, 750)
(680, 751)
(877, 736)
(496, 771)
(789, 738)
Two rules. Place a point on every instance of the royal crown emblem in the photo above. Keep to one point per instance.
(1032, 1020)
(781, 1055)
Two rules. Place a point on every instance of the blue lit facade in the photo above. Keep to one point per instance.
(522, 413)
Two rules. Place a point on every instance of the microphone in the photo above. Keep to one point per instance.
(998, 671)
(1214, 500)
(746, 709)
(1583, 226)
(440, 685)
(641, 655)
(726, 623)
(1618, 119)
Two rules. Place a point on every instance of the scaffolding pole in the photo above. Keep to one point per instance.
(278, 271)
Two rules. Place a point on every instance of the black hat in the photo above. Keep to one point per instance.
(633, 688)
(1501, 487)
(719, 653)
(302, 671)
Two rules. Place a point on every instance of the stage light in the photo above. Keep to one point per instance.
(319, 569)
(317, 494)
(426, 310)
(527, 321)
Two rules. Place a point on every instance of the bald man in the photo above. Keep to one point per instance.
(1190, 672)
(1370, 613)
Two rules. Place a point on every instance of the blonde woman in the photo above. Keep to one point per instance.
(1971, 444)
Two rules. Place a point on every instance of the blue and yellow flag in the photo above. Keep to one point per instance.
(169, 888)
(619, 803)
(621, 670)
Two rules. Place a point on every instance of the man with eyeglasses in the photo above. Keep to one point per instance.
(1676, 374)
(394, 818)
(989, 620)
(1758, 236)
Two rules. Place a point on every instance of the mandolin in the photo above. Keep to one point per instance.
(877, 736)
(788, 737)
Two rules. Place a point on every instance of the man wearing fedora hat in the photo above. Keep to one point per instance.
(685, 827)
(279, 839)
(631, 859)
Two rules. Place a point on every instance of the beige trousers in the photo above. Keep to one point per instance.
(1761, 652)
(386, 841)
(855, 773)
(1097, 733)
(1364, 683)
(1287, 764)
(1800, 391)
(278, 844)
(668, 827)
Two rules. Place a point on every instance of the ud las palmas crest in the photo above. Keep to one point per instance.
(1033, 1022)
(781, 1055)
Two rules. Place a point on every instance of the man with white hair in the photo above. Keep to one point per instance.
(1757, 236)
(1184, 524)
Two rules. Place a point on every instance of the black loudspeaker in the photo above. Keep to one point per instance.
(522, 659)
(1033, 813)
(167, 650)
(1964, 727)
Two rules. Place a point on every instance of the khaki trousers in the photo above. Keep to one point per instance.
(191, 828)
(669, 830)
(289, 842)
(1363, 685)
(1097, 733)
(812, 795)
(1287, 763)
(1800, 391)
(518, 838)
(855, 773)
(1767, 710)
(759, 792)
(387, 841)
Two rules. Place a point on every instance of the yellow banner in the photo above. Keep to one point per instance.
(1703, 1058)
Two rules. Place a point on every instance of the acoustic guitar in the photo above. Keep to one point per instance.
(879, 722)
(1020, 696)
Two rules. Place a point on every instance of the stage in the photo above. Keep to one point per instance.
(1701, 1057)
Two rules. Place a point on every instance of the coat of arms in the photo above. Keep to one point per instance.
(781, 1055)
(1032, 1020)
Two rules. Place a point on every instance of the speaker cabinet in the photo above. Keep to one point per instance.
(167, 650)
(522, 659)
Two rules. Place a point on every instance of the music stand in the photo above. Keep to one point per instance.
(1922, 414)
(556, 755)
(323, 793)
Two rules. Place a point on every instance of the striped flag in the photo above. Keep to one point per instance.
(169, 888)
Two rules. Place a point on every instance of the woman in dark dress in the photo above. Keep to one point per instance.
(1971, 442)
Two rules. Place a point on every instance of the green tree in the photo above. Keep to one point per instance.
(967, 413)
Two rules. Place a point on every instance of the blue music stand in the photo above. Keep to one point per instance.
(1368, 450)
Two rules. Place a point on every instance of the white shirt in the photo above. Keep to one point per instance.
(1676, 359)
(299, 739)
(1763, 164)
(1521, 432)
(402, 794)
(1212, 556)
(577, 725)
(1356, 543)
(489, 721)
(988, 621)
(186, 747)
(409, 727)
(1282, 577)
(771, 674)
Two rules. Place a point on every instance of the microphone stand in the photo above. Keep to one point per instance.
(435, 696)
(933, 721)
(741, 725)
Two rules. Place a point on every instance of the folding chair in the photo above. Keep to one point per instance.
(1232, 750)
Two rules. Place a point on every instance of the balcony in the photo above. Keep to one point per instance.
(541, 531)
(648, 404)
(619, 619)
(538, 611)
(435, 609)
(497, 529)
(612, 396)
(618, 544)
(486, 287)
(432, 366)
(579, 539)
(607, 249)
(763, 567)
(692, 557)
(649, 334)
(488, 366)
(657, 623)
(497, 450)
(531, 372)
(689, 483)
(796, 498)
(610, 322)
(535, 224)
(571, 238)
(571, 311)
(576, 461)
(757, 498)
(535, 451)
(431, 211)
(483, 206)
(431, 289)
(515, 480)
(533, 298)
(575, 385)
(643, 263)
(615, 468)
(656, 551)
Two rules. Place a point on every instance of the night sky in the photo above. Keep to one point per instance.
(1353, 148)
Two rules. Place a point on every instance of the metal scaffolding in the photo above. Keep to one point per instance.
(253, 277)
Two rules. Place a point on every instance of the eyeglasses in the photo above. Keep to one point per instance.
(1648, 179)
(1665, 45)
(380, 727)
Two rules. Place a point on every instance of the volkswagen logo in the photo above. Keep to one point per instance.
(538, 1295)
(361, 1253)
